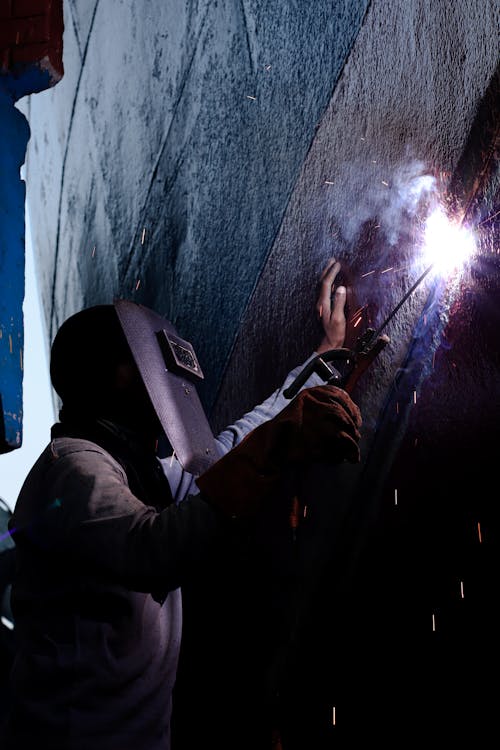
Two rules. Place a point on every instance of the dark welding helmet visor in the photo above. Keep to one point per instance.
(169, 369)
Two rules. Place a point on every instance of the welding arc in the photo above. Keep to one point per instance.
(402, 301)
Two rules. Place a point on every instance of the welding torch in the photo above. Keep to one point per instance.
(351, 363)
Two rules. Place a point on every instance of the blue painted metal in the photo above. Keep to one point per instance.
(23, 79)
(15, 135)
(27, 79)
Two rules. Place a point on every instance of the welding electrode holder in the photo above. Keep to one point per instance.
(346, 361)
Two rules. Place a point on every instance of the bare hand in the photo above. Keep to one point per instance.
(331, 309)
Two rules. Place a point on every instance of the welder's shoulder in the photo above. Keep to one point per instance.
(70, 468)
(68, 454)
(79, 452)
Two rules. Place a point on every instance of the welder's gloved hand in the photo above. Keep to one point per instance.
(320, 424)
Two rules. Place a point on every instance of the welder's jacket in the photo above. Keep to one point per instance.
(103, 545)
(102, 551)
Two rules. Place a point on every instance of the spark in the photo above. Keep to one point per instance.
(138, 284)
(10, 343)
(267, 67)
(333, 715)
(329, 182)
(462, 589)
(304, 512)
(357, 322)
(8, 623)
(387, 269)
(414, 397)
(433, 622)
(479, 532)
(385, 183)
(254, 98)
(21, 358)
(143, 236)
(358, 312)
(367, 274)
(93, 251)
(395, 497)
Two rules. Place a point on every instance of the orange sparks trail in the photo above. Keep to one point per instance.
(479, 532)
(358, 321)
(358, 312)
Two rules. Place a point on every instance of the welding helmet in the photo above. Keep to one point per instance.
(89, 345)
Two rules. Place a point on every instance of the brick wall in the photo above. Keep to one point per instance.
(31, 40)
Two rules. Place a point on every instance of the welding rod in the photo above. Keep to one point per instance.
(408, 293)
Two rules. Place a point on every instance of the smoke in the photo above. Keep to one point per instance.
(393, 197)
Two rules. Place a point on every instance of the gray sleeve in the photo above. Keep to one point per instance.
(183, 484)
(234, 434)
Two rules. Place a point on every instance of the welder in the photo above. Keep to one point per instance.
(107, 531)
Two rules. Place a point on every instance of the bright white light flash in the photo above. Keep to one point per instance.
(447, 244)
